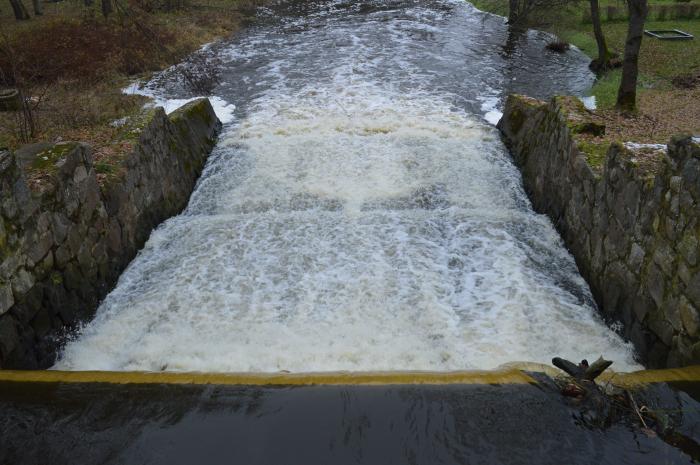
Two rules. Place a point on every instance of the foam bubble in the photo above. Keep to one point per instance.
(491, 108)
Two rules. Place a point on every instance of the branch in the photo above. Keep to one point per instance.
(582, 371)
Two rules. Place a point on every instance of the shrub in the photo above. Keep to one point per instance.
(614, 13)
(662, 12)
(558, 46)
(85, 49)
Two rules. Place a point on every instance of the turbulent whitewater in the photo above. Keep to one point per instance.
(359, 212)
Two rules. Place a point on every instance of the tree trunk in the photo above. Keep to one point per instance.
(19, 9)
(513, 11)
(38, 7)
(627, 94)
(106, 7)
(602, 63)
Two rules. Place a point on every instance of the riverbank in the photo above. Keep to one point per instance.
(669, 86)
(628, 214)
(72, 63)
(68, 228)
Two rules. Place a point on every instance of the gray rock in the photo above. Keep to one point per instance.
(22, 281)
(622, 226)
(693, 289)
(6, 298)
(70, 241)
(636, 257)
(665, 258)
(9, 337)
(689, 247)
(690, 317)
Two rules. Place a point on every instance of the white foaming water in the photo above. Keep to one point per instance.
(344, 224)
(367, 231)
(223, 109)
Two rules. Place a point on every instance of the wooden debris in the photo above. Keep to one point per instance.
(583, 371)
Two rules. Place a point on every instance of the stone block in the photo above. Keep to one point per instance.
(9, 337)
(689, 247)
(690, 317)
(41, 323)
(662, 329)
(691, 177)
(671, 313)
(635, 260)
(63, 255)
(643, 306)
(693, 290)
(89, 234)
(665, 258)
(7, 300)
(656, 284)
(22, 281)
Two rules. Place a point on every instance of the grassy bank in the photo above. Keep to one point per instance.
(669, 85)
(72, 63)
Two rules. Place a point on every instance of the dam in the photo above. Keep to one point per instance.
(359, 211)
(359, 275)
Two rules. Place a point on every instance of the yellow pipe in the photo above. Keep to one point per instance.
(690, 374)
(510, 375)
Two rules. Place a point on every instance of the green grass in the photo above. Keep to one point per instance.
(605, 89)
(581, 39)
(659, 61)
(595, 152)
(498, 7)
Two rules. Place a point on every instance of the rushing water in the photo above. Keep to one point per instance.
(359, 212)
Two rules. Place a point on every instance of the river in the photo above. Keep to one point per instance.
(359, 211)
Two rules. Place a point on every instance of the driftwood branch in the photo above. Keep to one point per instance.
(582, 371)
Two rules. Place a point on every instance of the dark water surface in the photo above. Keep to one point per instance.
(45, 423)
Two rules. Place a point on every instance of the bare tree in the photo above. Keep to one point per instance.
(521, 13)
(24, 112)
(602, 63)
(514, 11)
(19, 9)
(627, 94)
(107, 7)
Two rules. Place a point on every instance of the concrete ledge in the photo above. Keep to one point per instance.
(510, 376)
(493, 377)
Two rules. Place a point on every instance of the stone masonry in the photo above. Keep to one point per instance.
(631, 220)
(67, 231)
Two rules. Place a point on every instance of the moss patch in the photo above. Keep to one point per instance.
(46, 160)
(595, 151)
(134, 125)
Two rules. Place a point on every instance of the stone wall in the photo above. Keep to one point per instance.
(631, 218)
(68, 226)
